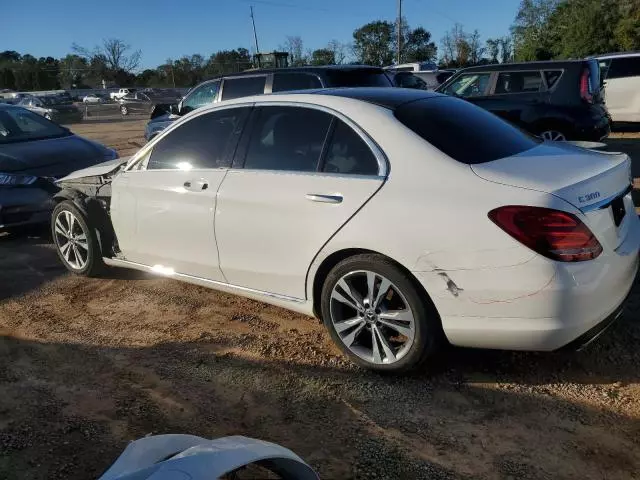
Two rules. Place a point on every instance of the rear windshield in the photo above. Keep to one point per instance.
(358, 78)
(463, 131)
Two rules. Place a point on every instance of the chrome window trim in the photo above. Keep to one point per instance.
(381, 158)
(149, 146)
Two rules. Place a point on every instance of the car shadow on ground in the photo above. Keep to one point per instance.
(75, 406)
(28, 260)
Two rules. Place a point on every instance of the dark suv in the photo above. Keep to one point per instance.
(557, 100)
(254, 82)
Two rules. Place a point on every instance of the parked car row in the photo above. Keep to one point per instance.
(266, 81)
(559, 100)
(55, 108)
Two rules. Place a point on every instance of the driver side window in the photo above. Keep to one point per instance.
(202, 95)
(205, 141)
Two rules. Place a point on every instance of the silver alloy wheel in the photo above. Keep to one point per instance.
(124, 110)
(47, 116)
(553, 135)
(372, 317)
(71, 240)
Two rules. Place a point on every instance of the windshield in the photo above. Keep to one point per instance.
(358, 78)
(463, 131)
(20, 125)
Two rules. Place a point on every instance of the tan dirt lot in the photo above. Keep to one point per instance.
(87, 365)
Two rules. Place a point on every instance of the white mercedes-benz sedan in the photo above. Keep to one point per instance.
(403, 219)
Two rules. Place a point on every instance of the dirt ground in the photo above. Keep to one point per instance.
(86, 365)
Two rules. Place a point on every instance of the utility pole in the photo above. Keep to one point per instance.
(399, 28)
(255, 35)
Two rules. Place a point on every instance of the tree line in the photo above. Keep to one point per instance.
(542, 30)
(554, 29)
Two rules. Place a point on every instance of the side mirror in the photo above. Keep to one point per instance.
(184, 109)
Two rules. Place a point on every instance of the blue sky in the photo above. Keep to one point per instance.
(170, 29)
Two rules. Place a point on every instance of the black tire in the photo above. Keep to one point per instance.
(94, 264)
(428, 336)
(47, 116)
(124, 110)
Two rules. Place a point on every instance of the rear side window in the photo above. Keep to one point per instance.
(357, 77)
(518, 82)
(203, 142)
(463, 131)
(287, 138)
(284, 82)
(552, 77)
(348, 153)
(242, 87)
(624, 67)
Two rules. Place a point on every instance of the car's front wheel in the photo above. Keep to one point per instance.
(378, 316)
(124, 110)
(77, 244)
(47, 116)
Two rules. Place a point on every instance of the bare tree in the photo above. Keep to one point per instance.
(456, 47)
(339, 51)
(476, 50)
(295, 47)
(114, 53)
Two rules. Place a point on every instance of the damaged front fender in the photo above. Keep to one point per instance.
(90, 190)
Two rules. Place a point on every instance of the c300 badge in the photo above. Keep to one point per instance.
(588, 197)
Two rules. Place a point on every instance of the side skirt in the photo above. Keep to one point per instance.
(290, 303)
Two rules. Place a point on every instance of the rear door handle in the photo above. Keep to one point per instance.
(196, 186)
(324, 198)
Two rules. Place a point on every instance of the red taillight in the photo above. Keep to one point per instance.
(585, 90)
(557, 235)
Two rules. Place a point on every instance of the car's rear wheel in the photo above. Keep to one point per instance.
(378, 316)
(47, 116)
(124, 110)
(77, 244)
(553, 135)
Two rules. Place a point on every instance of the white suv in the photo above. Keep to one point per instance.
(622, 74)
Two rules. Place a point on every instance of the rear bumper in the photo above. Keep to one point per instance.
(538, 305)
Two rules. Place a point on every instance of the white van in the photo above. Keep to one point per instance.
(621, 72)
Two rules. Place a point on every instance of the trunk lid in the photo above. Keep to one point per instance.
(598, 183)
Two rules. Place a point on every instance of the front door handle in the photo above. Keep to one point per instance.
(197, 185)
(324, 198)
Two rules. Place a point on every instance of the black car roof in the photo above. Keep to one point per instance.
(497, 67)
(309, 68)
